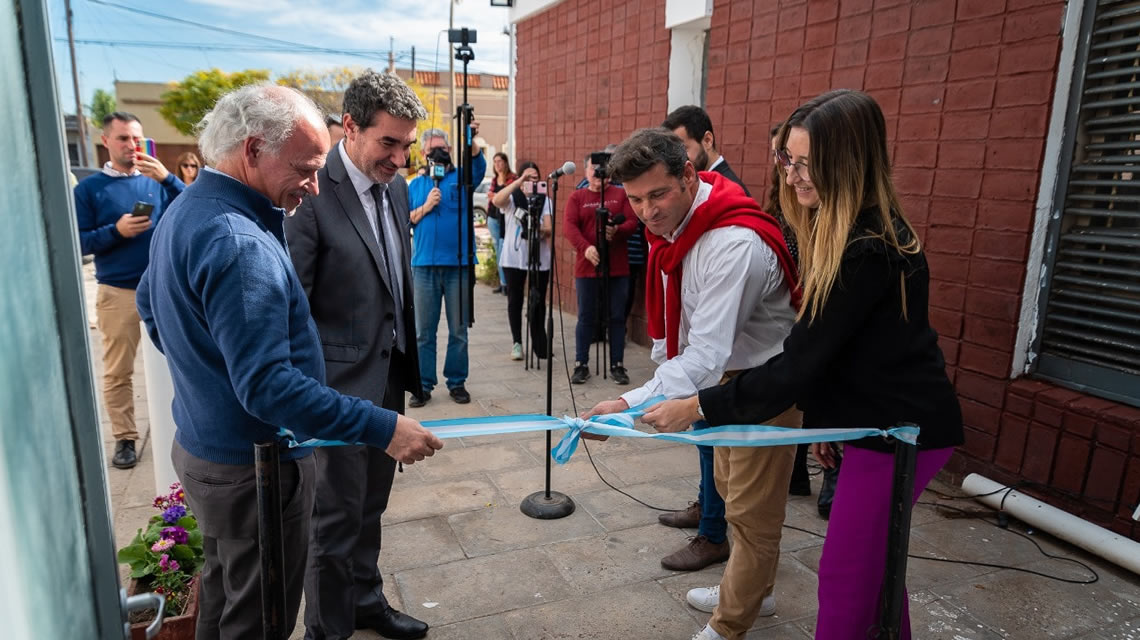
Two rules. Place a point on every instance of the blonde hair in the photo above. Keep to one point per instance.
(850, 170)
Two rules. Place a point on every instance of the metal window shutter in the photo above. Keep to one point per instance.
(1090, 332)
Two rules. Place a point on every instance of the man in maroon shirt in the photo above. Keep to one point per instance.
(581, 230)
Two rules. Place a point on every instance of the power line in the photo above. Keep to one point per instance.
(215, 28)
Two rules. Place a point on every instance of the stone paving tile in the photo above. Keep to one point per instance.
(576, 476)
(440, 498)
(637, 612)
(647, 466)
(617, 558)
(976, 540)
(482, 586)
(506, 528)
(485, 628)
(1028, 606)
(615, 511)
(418, 543)
(451, 462)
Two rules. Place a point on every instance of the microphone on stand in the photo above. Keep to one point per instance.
(565, 170)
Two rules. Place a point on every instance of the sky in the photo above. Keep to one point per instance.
(113, 43)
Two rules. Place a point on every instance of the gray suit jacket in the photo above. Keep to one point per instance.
(338, 261)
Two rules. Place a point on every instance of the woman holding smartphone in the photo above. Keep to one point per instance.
(862, 352)
(521, 205)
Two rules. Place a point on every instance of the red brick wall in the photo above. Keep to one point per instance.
(589, 73)
(966, 87)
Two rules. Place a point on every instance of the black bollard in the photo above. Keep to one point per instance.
(898, 542)
(271, 540)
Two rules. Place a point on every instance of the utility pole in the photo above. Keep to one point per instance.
(80, 119)
(413, 62)
(451, 69)
(391, 54)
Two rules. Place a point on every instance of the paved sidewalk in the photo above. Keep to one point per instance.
(459, 554)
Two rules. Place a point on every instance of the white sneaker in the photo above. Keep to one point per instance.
(516, 352)
(707, 634)
(706, 599)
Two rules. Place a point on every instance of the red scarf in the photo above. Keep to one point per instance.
(727, 206)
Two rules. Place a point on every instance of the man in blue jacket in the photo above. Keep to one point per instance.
(121, 245)
(222, 301)
(442, 267)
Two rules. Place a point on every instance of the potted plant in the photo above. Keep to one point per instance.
(165, 558)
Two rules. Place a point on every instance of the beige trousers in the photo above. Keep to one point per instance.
(754, 484)
(118, 322)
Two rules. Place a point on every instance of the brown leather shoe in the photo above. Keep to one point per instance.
(697, 555)
(687, 518)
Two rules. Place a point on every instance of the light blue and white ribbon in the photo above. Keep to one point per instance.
(622, 425)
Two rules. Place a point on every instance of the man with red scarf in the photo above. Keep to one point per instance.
(721, 296)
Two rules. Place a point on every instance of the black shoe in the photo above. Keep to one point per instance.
(581, 373)
(125, 457)
(617, 372)
(460, 395)
(418, 401)
(827, 491)
(390, 623)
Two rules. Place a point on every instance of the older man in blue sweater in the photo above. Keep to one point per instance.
(222, 301)
(120, 241)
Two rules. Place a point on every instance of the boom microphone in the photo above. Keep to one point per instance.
(565, 170)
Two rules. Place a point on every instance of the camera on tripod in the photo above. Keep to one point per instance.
(535, 193)
(599, 159)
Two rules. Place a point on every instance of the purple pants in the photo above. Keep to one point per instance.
(855, 550)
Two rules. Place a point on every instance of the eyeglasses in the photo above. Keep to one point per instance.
(189, 166)
(785, 161)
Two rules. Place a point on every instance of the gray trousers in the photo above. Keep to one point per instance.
(224, 500)
(343, 579)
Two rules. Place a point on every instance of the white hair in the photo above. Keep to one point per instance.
(265, 111)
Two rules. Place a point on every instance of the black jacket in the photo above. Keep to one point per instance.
(337, 259)
(860, 363)
(726, 171)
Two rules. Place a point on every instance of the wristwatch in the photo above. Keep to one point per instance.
(700, 411)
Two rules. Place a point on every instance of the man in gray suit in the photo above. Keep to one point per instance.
(350, 244)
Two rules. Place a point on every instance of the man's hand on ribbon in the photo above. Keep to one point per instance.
(603, 407)
(672, 416)
(824, 452)
(411, 442)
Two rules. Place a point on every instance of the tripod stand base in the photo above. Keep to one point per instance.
(538, 506)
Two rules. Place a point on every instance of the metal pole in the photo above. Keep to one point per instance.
(898, 542)
(80, 119)
(451, 69)
(271, 539)
(547, 504)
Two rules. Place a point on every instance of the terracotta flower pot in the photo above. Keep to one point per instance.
(181, 627)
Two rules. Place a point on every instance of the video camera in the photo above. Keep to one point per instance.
(600, 159)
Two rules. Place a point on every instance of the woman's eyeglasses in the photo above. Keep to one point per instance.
(785, 161)
(189, 166)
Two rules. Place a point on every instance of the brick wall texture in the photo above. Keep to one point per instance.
(966, 87)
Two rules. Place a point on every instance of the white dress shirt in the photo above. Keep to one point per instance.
(393, 247)
(735, 311)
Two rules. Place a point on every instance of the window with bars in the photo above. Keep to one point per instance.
(1089, 336)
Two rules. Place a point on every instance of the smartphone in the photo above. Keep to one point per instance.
(531, 188)
(146, 145)
(143, 209)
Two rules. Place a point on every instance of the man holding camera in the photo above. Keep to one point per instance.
(118, 232)
(442, 266)
(598, 232)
